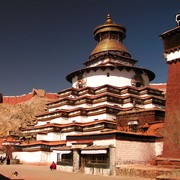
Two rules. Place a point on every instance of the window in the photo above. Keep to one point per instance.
(133, 125)
(96, 159)
(108, 74)
(65, 159)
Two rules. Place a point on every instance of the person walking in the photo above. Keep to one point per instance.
(53, 166)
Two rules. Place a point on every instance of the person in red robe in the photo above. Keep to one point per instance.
(53, 166)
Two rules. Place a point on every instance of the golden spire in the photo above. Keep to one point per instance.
(110, 37)
(108, 19)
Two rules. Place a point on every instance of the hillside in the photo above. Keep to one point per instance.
(14, 116)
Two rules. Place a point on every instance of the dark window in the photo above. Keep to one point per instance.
(96, 159)
(65, 159)
(108, 74)
(133, 126)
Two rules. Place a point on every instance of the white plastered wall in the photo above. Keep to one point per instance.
(62, 120)
(158, 148)
(173, 55)
(60, 107)
(107, 142)
(53, 136)
(116, 78)
(34, 157)
(132, 152)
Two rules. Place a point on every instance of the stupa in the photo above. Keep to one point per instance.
(81, 132)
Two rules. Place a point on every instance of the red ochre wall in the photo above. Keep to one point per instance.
(172, 117)
(25, 97)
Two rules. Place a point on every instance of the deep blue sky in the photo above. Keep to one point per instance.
(41, 41)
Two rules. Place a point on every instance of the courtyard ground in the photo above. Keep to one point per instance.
(34, 172)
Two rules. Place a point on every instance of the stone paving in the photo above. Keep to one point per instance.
(33, 172)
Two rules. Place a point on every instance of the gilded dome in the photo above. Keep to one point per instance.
(109, 26)
(110, 37)
(109, 45)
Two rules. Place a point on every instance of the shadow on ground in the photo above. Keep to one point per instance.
(3, 177)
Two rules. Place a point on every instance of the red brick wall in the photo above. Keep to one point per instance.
(25, 97)
(172, 117)
(143, 118)
(51, 96)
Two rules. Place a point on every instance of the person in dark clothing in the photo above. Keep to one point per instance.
(2, 159)
(7, 160)
(53, 166)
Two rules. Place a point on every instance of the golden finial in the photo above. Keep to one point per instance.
(108, 19)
